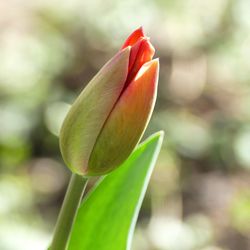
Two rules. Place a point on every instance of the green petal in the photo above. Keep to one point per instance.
(90, 111)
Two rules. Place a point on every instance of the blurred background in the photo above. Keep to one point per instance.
(199, 195)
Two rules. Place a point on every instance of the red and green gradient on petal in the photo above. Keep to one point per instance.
(141, 52)
(108, 119)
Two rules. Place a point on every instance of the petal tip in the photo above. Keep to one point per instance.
(134, 37)
(151, 67)
(122, 54)
(153, 64)
(126, 50)
(141, 30)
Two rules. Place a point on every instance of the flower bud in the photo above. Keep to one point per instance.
(107, 120)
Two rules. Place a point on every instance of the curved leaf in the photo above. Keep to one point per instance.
(107, 217)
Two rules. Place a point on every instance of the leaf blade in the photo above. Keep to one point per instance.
(107, 218)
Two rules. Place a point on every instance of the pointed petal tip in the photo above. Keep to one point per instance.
(149, 69)
(128, 48)
(141, 30)
(134, 37)
(152, 65)
(123, 54)
(156, 60)
(125, 50)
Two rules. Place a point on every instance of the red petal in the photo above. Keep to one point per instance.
(141, 52)
(133, 38)
(134, 52)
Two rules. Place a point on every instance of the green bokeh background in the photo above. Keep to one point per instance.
(199, 194)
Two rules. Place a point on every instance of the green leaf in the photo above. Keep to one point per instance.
(107, 217)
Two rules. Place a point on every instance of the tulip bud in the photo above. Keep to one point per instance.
(107, 120)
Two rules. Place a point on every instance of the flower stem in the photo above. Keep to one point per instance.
(68, 211)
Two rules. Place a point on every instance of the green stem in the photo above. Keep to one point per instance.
(68, 212)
